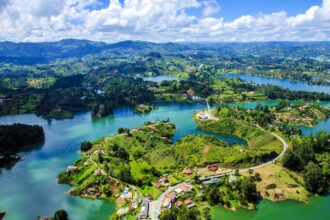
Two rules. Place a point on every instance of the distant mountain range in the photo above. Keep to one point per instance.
(45, 52)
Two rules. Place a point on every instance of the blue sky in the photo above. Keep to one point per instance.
(165, 20)
(231, 9)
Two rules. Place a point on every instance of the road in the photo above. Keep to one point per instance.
(155, 206)
(285, 148)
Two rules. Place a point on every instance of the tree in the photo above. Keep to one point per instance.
(85, 146)
(249, 190)
(315, 181)
(301, 153)
(290, 160)
(214, 196)
(180, 213)
(61, 215)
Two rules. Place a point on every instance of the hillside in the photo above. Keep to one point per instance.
(45, 52)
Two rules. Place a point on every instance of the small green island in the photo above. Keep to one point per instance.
(148, 175)
(17, 138)
(144, 108)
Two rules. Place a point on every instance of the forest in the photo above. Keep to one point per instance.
(16, 138)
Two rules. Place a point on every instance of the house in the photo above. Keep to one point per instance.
(187, 171)
(167, 203)
(97, 172)
(92, 192)
(212, 167)
(190, 92)
(187, 201)
(70, 169)
(203, 116)
(169, 199)
(184, 189)
(209, 182)
(163, 181)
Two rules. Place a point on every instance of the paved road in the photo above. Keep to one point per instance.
(155, 206)
(285, 147)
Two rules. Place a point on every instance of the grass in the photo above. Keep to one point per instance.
(262, 146)
(279, 183)
(151, 190)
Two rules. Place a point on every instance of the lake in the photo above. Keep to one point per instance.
(317, 208)
(30, 188)
(159, 79)
(284, 83)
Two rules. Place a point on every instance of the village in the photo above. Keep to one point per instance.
(179, 195)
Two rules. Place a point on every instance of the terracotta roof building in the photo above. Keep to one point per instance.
(212, 167)
(187, 171)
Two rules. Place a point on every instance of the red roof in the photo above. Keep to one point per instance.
(213, 167)
(187, 201)
(171, 196)
(187, 171)
(191, 92)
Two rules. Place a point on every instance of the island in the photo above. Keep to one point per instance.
(144, 108)
(16, 138)
(148, 175)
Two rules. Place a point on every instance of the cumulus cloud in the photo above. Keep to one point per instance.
(211, 7)
(153, 20)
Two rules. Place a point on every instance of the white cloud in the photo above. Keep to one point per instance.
(211, 7)
(153, 20)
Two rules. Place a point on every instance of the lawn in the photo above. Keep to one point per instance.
(279, 183)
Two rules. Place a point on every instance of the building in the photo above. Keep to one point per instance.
(70, 169)
(203, 116)
(163, 181)
(212, 167)
(210, 182)
(191, 92)
(97, 172)
(184, 189)
(169, 199)
(187, 201)
(187, 171)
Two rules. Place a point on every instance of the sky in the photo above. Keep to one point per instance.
(165, 20)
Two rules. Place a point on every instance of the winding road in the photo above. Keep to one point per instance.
(155, 206)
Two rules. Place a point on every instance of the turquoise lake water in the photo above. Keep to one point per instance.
(30, 188)
(292, 85)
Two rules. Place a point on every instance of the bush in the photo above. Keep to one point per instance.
(85, 146)
(315, 181)
(61, 215)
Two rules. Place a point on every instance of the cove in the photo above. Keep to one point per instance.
(30, 188)
(284, 83)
